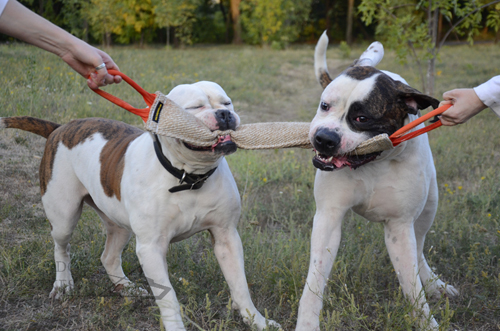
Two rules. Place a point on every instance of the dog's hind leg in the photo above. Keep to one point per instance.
(63, 208)
(116, 240)
(433, 285)
(402, 247)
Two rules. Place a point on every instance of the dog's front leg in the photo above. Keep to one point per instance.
(402, 247)
(325, 241)
(229, 252)
(152, 256)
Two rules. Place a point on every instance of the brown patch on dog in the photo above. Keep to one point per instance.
(35, 125)
(324, 78)
(118, 288)
(118, 136)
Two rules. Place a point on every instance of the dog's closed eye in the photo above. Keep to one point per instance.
(195, 107)
(226, 103)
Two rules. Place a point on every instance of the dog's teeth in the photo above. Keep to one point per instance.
(330, 159)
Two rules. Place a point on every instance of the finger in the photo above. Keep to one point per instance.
(445, 102)
(109, 79)
(100, 76)
(92, 84)
(448, 95)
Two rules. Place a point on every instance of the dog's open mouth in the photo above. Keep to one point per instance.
(331, 163)
(223, 146)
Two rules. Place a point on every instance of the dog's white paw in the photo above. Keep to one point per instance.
(439, 288)
(372, 56)
(60, 288)
(260, 323)
(130, 290)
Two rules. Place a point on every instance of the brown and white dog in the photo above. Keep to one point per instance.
(396, 187)
(113, 167)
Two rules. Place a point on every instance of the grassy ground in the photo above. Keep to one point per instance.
(276, 189)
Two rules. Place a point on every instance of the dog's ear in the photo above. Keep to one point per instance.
(414, 99)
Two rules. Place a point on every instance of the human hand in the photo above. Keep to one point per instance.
(465, 103)
(84, 59)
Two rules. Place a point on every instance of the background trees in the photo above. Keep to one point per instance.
(415, 29)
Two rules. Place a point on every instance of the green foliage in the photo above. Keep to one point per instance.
(179, 14)
(278, 21)
(410, 27)
(102, 17)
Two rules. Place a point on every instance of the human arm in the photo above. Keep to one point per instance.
(20, 22)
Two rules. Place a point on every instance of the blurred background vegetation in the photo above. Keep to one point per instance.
(274, 23)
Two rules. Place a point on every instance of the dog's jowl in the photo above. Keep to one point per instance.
(158, 188)
(396, 187)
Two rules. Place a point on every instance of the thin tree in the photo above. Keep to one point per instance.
(235, 16)
(411, 27)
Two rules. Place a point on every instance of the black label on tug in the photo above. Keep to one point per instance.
(156, 114)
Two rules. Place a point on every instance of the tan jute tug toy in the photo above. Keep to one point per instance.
(165, 117)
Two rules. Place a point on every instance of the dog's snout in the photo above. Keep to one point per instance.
(225, 119)
(326, 141)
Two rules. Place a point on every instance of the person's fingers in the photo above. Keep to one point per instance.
(445, 102)
(109, 79)
(92, 84)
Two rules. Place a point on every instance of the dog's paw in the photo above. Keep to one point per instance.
(60, 288)
(439, 288)
(130, 290)
(273, 325)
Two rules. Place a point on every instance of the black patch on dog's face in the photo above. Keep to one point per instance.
(360, 73)
(387, 105)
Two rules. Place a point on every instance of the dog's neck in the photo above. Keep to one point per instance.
(182, 158)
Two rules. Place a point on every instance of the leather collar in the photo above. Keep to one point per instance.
(191, 181)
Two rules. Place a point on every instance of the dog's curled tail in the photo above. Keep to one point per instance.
(35, 125)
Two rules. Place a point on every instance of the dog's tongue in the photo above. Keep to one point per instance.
(339, 162)
(222, 139)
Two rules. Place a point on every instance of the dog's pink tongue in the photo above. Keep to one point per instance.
(222, 140)
(339, 162)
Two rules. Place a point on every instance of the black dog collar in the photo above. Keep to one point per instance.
(192, 182)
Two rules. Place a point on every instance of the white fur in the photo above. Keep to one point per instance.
(398, 189)
(148, 210)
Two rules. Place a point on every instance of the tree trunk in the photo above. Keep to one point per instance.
(432, 16)
(85, 31)
(328, 22)
(235, 15)
(168, 36)
(350, 12)
(107, 38)
(227, 22)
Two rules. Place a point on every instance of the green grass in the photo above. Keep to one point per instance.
(276, 189)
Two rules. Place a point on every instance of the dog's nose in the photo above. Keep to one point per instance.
(225, 119)
(326, 141)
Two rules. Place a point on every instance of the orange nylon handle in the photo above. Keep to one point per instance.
(149, 98)
(398, 136)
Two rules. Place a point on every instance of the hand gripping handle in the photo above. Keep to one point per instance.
(149, 98)
(399, 136)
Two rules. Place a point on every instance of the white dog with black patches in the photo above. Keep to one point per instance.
(133, 181)
(396, 187)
